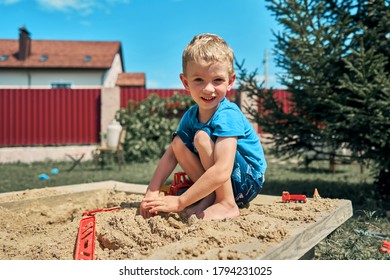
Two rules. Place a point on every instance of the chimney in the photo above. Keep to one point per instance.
(24, 43)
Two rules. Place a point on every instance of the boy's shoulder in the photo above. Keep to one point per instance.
(229, 113)
(226, 108)
(229, 106)
(192, 110)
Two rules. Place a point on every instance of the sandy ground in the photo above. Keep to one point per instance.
(32, 229)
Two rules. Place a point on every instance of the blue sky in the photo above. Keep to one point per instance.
(153, 33)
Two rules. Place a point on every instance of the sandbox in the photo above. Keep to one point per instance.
(42, 224)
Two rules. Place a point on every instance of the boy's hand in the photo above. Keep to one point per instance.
(144, 210)
(167, 203)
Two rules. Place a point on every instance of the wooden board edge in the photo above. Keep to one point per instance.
(297, 245)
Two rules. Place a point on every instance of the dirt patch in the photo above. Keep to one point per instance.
(32, 229)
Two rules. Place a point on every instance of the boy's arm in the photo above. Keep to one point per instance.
(164, 168)
(214, 177)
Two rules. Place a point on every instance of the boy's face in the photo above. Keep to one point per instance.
(207, 83)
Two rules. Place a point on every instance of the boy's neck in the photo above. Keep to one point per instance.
(205, 115)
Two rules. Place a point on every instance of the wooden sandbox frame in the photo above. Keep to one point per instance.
(299, 245)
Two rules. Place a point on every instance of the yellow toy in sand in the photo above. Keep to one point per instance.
(316, 195)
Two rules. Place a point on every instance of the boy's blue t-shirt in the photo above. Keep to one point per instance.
(227, 121)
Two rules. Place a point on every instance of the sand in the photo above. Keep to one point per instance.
(33, 229)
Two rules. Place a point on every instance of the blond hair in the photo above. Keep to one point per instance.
(209, 48)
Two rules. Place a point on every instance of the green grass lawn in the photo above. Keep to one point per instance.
(353, 240)
(20, 176)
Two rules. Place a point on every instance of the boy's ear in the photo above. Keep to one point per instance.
(184, 81)
(231, 81)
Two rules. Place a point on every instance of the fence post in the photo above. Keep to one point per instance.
(110, 104)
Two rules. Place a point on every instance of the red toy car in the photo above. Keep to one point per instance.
(385, 247)
(287, 197)
(181, 183)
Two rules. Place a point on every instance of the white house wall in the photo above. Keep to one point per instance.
(20, 78)
(13, 78)
(112, 73)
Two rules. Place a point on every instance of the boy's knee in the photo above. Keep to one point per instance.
(177, 143)
(202, 139)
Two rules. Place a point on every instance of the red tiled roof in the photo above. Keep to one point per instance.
(131, 80)
(61, 54)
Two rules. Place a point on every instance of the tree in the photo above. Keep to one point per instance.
(335, 57)
(362, 118)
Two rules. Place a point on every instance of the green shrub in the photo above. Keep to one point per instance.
(149, 125)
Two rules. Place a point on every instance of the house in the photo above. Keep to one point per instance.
(27, 63)
(125, 80)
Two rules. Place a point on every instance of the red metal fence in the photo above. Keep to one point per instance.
(284, 97)
(49, 116)
(31, 117)
(281, 96)
(139, 94)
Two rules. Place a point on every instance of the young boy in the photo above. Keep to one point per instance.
(214, 144)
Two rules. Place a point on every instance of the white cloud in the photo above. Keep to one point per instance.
(83, 6)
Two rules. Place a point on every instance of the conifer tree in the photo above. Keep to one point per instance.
(335, 57)
(362, 116)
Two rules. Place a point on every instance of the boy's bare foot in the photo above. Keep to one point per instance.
(219, 211)
(199, 207)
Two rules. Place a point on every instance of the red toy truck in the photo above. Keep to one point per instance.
(385, 247)
(287, 197)
(181, 183)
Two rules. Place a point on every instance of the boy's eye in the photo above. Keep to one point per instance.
(219, 80)
(198, 80)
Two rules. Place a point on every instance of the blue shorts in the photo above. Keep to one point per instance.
(246, 181)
